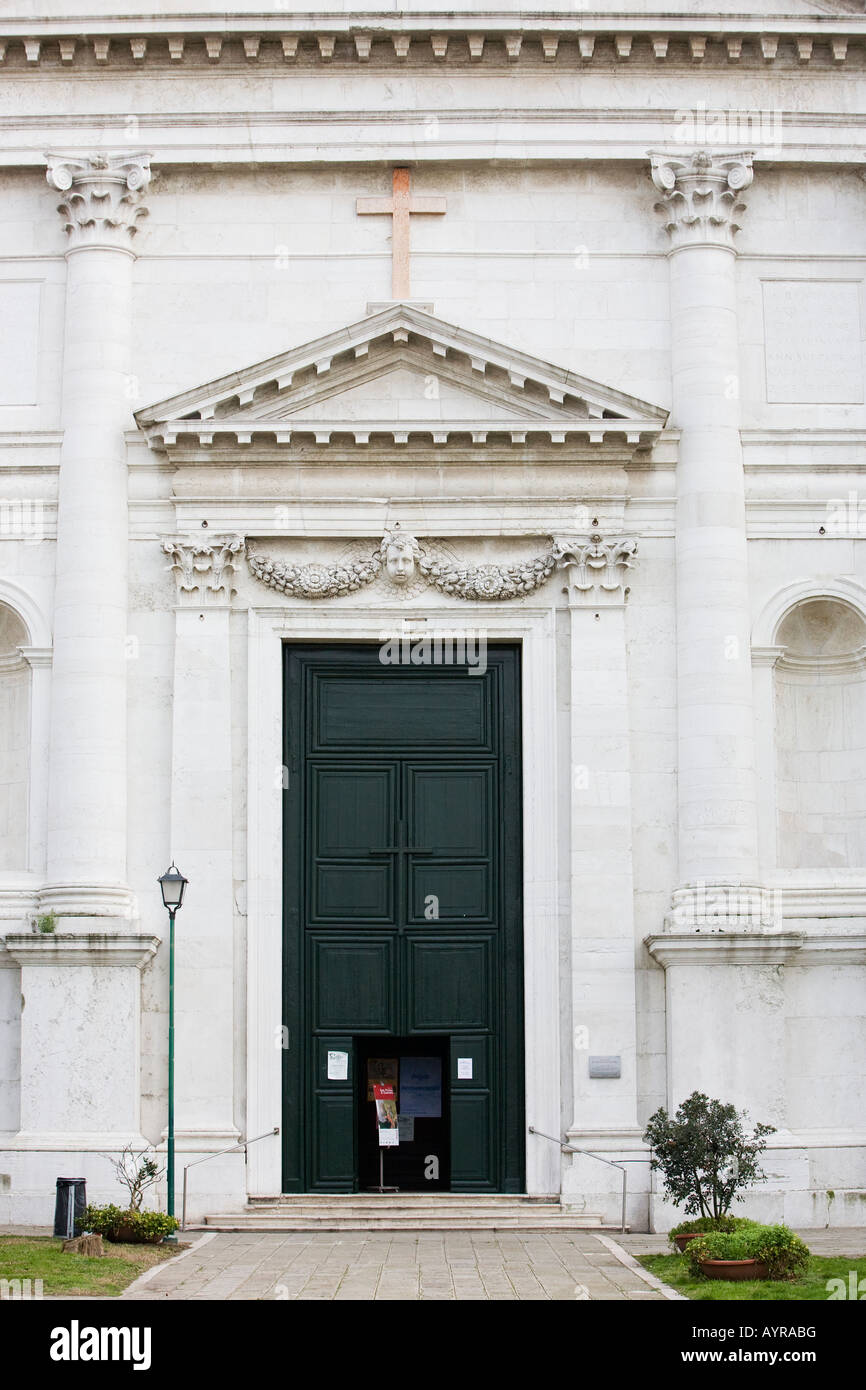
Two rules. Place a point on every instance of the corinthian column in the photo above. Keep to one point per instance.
(86, 842)
(700, 200)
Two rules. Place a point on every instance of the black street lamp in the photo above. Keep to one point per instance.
(172, 884)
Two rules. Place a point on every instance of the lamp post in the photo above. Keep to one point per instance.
(172, 884)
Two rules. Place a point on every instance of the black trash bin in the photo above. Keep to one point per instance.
(70, 1204)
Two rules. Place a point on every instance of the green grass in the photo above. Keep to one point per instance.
(674, 1270)
(42, 1257)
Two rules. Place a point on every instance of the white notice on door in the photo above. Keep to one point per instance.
(338, 1066)
(464, 1068)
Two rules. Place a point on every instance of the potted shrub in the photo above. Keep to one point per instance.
(755, 1252)
(687, 1231)
(128, 1227)
(137, 1172)
(707, 1160)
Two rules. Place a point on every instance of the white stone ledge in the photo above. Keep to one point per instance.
(53, 949)
(568, 138)
(757, 948)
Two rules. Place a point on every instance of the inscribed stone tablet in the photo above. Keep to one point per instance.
(812, 342)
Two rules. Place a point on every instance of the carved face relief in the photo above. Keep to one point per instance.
(400, 561)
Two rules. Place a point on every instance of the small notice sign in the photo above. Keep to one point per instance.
(406, 1128)
(338, 1066)
(386, 1115)
(464, 1068)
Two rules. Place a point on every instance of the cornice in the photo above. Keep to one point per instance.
(95, 949)
(400, 40)
(758, 948)
(268, 440)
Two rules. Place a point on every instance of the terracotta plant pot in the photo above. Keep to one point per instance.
(682, 1241)
(735, 1269)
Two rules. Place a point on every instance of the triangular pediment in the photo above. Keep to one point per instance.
(397, 375)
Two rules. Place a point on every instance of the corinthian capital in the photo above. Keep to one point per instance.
(103, 196)
(204, 569)
(595, 568)
(701, 195)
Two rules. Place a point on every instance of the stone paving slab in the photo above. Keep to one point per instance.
(271, 1265)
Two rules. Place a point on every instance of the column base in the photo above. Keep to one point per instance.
(74, 901)
(724, 905)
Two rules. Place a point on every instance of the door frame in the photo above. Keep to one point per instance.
(268, 628)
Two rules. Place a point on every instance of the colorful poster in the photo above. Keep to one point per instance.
(386, 1115)
(421, 1087)
(382, 1069)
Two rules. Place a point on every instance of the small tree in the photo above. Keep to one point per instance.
(137, 1172)
(705, 1154)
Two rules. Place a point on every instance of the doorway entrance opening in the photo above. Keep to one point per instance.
(417, 1069)
(402, 944)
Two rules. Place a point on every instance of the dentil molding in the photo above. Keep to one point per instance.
(103, 197)
(701, 195)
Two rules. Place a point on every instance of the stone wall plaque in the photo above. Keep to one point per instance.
(812, 342)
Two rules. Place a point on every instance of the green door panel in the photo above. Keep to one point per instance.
(352, 983)
(450, 983)
(402, 905)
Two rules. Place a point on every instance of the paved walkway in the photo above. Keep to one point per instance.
(270, 1265)
(399, 1265)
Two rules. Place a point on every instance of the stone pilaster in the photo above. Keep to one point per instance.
(604, 1113)
(201, 843)
(86, 834)
(701, 204)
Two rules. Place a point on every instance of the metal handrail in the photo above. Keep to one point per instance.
(573, 1149)
(232, 1149)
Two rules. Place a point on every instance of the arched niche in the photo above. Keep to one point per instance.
(820, 735)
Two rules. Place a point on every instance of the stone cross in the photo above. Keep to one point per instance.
(399, 207)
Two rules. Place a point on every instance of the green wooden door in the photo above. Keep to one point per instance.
(402, 895)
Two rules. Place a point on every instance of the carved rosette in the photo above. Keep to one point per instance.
(103, 197)
(402, 560)
(595, 569)
(204, 570)
(700, 200)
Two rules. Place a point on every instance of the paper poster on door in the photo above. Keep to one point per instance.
(383, 1070)
(338, 1066)
(464, 1068)
(421, 1087)
(386, 1115)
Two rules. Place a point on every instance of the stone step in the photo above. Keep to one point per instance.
(496, 1199)
(395, 1203)
(404, 1220)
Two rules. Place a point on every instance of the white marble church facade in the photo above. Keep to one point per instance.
(611, 394)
